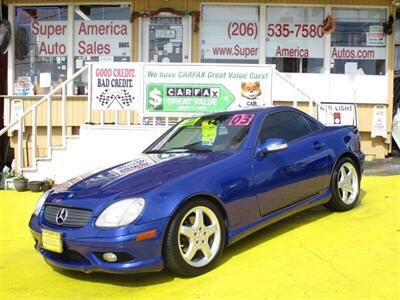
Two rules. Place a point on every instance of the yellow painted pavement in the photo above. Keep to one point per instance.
(313, 255)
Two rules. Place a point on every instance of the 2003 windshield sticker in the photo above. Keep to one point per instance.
(241, 120)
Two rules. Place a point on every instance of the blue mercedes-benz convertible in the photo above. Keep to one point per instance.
(203, 185)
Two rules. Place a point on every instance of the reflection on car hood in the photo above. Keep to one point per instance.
(143, 173)
(101, 177)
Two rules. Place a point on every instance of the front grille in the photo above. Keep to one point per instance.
(75, 217)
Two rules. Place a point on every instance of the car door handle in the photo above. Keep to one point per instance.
(318, 145)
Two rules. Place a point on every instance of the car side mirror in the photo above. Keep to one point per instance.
(272, 145)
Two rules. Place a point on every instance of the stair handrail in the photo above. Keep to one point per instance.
(43, 99)
(19, 120)
(311, 101)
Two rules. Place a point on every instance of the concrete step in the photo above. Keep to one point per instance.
(97, 146)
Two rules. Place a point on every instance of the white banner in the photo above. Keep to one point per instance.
(295, 32)
(91, 38)
(337, 114)
(116, 86)
(179, 89)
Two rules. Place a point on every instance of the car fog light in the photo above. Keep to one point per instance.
(110, 257)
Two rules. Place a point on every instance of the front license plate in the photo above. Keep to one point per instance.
(52, 240)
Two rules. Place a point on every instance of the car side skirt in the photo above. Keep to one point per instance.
(242, 232)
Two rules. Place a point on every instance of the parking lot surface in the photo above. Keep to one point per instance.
(313, 255)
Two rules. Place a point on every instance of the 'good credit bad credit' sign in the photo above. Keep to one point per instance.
(116, 86)
(95, 38)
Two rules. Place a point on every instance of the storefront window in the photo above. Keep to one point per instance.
(230, 34)
(295, 40)
(358, 46)
(102, 33)
(40, 48)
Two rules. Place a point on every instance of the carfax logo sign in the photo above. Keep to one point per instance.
(116, 86)
(188, 97)
(173, 89)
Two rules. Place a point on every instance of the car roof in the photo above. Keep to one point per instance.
(257, 110)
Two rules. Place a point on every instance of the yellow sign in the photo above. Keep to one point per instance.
(51, 240)
(208, 132)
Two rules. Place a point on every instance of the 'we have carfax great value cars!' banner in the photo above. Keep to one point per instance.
(179, 89)
(198, 88)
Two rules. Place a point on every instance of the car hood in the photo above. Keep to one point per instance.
(132, 178)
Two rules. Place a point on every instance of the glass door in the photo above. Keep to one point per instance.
(166, 39)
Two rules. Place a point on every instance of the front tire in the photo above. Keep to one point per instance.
(345, 186)
(195, 238)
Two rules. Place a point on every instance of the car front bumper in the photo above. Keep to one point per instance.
(85, 253)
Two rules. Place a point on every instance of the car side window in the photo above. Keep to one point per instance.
(286, 125)
(313, 126)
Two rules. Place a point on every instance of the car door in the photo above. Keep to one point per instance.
(298, 172)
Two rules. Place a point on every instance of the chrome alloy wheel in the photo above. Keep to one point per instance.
(199, 237)
(348, 184)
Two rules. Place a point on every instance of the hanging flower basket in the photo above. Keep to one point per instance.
(329, 25)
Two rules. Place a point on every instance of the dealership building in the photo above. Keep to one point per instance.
(344, 55)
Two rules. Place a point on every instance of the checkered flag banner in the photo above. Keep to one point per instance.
(123, 98)
(105, 98)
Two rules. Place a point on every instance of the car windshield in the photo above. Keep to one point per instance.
(210, 133)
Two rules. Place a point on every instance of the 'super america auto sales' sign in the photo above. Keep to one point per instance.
(96, 38)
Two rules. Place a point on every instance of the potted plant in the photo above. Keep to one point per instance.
(35, 186)
(4, 176)
(20, 183)
(47, 184)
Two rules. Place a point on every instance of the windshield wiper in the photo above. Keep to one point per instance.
(188, 149)
(154, 151)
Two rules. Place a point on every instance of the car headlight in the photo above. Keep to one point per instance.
(40, 202)
(121, 213)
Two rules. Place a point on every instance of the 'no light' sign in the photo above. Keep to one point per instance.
(337, 114)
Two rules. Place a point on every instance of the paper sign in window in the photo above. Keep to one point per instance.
(208, 133)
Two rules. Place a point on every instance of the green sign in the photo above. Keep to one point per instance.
(188, 122)
(170, 97)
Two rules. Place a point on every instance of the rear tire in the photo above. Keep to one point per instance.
(195, 238)
(345, 186)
